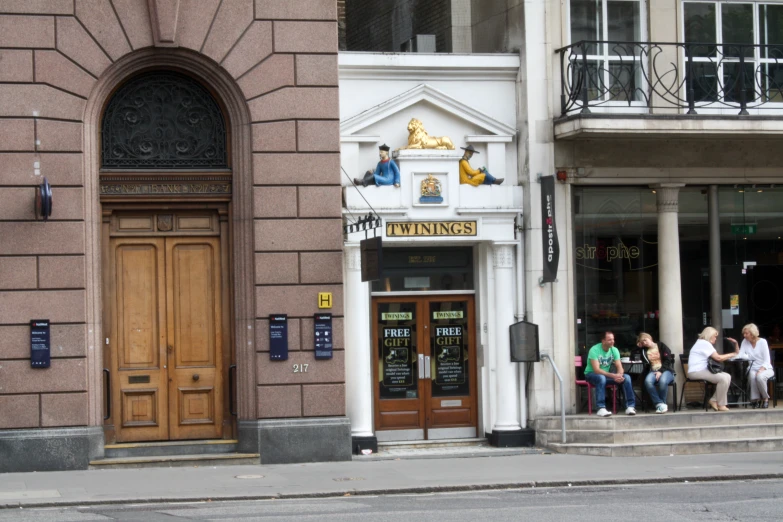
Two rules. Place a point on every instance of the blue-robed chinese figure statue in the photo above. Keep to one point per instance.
(385, 173)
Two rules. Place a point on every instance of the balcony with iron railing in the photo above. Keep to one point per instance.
(665, 88)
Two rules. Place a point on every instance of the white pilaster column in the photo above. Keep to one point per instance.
(669, 289)
(506, 380)
(358, 358)
(496, 160)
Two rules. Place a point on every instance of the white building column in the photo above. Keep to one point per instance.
(669, 288)
(358, 357)
(506, 379)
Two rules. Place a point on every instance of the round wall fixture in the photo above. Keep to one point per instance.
(43, 200)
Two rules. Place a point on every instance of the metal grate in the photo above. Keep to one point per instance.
(163, 120)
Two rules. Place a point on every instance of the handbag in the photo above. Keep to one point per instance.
(714, 366)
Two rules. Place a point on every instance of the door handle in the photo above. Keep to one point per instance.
(427, 367)
(421, 366)
(231, 381)
(108, 393)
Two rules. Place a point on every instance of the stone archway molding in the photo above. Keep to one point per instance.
(233, 103)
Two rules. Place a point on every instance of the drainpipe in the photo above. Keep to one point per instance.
(520, 316)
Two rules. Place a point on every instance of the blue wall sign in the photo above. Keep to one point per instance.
(323, 336)
(40, 346)
(278, 337)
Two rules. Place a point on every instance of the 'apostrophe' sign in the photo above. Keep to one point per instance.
(431, 228)
(551, 247)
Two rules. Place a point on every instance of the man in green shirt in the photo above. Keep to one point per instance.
(599, 362)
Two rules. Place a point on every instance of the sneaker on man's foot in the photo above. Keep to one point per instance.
(660, 408)
(603, 412)
(630, 410)
(664, 408)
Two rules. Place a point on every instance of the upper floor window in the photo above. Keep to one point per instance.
(612, 70)
(747, 55)
(612, 20)
(163, 120)
(744, 23)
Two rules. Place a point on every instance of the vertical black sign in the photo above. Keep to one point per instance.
(278, 337)
(548, 229)
(323, 336)
(372, 258)
(40, 347)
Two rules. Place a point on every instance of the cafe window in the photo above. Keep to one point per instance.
(616, 256)
(614, 74)
(616, 265)
(752, 259)
(751, 29)
(426, 270)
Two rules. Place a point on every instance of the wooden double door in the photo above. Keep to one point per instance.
(165, 331)
(424, 367)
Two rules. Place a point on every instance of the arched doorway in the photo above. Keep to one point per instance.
(165, 191)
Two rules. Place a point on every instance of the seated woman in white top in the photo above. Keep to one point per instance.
(697, 366)
(756, 350)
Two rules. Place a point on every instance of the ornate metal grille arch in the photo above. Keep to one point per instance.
(163, 120)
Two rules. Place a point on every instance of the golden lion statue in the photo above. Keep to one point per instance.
(419, 139)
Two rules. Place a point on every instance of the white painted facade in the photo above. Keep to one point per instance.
(472, 99)
(508, 107)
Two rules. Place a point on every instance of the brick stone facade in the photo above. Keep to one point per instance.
(55, 58)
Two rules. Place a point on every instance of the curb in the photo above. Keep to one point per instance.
(398, 491)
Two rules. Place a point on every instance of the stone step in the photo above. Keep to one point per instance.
(477, 448)
(689, 418)
(172, 461)
(660, 449)
(170, 448)
(655, 435)
(438, 443)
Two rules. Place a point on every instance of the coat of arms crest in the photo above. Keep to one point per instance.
(431, 189)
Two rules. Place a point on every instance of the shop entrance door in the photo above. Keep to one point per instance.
(165, 327)
(424, 367)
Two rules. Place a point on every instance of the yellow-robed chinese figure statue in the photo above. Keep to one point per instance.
(469, 176)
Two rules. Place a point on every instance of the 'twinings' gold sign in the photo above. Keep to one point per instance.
(431, 228)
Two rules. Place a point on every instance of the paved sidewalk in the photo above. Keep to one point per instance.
(372, 477)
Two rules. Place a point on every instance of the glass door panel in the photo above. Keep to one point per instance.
(399, 389)
(397, 351)
(450, 349)
(451, 401)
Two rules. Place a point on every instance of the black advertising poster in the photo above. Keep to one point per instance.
(323, 336)
(278, 337)
(548, 229)
(451, 368)
(40, 346)
(397, 357)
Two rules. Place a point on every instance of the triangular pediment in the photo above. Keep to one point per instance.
(427, 94)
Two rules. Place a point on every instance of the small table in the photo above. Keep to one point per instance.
(738, 369)
(635, 369)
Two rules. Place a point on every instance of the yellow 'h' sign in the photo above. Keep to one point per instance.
(324, 299)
